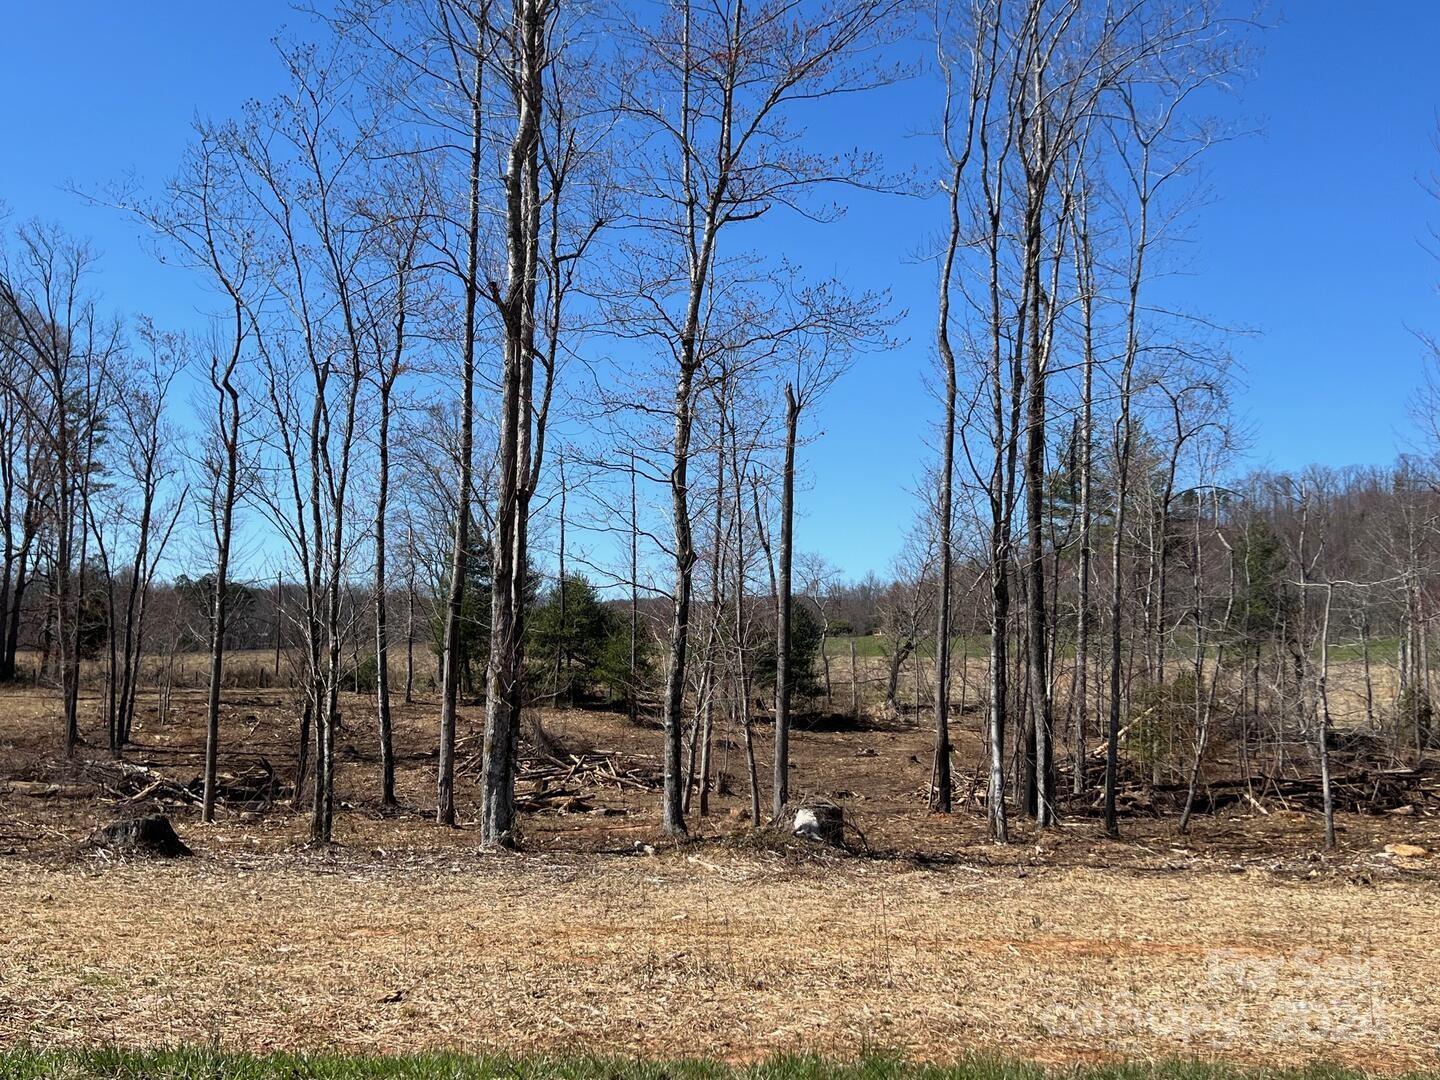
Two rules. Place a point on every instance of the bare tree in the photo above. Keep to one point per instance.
(203, 219)
(439, 52)
(957, 146)
(711, 91)
(65, 347)
(307, 177)
(150, 463)
(1154, 148)
(826, 326)
(528, 56)
(24, 472)
(1085, 283)
(223, 488)
(400, 222)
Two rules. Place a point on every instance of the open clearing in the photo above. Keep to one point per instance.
(728, 956)
(1241, 942)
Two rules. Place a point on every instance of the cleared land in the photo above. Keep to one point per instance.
(1241, 942)
(718, 955)
(192, 1063)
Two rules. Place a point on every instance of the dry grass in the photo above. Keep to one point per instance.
(718, 955)
(205, 1063)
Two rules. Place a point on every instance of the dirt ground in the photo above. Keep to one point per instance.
(1241, 941)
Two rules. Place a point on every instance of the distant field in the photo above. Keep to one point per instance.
(873, 645)
(254, 669)
(1382, 649)
(867, 645)
(970, 655)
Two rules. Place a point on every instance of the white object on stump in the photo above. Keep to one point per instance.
(822, 822)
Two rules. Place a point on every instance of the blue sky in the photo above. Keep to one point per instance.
(1312, 236)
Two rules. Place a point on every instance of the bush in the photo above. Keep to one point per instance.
(1163, 720)
(1415, 716)
(365, 679)
(805, 634)
(577, 642)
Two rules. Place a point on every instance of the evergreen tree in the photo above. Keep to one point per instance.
(805, 635)
(473, 639)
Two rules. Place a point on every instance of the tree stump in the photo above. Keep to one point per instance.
(821, 822)
(149, 835)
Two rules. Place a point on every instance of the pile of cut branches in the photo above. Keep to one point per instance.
(246, 785)
(565, 782)
(1355, 790)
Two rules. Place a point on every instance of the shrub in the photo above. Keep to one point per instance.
(1162, 721)
(1415, 715)
(805, 634)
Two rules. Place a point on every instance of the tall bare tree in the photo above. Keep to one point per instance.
(827, 324)
(400, 221)
(203, 218)
(65, 349)
(150, 464)
(712, 92)
(527, 52)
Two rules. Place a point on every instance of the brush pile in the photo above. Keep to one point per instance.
(248, 784)
(562, 782)
(1356, 789)
(1358, 786)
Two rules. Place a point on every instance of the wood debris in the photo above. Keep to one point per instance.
(567, 783)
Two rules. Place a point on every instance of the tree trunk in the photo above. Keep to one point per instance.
(382, 632)
(1365, 656)
(854, 681)
(229, 416)
(781, 781)
(941, 797)
(505, 677)
(327, 723)
(450, 661)
(1123, 440)
(742, 666)
(410, 639)
(1322, 727)
(1041, 716)
(999, 692)
(1079, 750)
(672, 815)
(717, 604)
(134, 605)
(634, 692)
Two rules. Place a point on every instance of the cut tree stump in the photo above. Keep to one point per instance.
(821, 822)
(149, 835)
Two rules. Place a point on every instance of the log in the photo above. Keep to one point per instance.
(44, 789)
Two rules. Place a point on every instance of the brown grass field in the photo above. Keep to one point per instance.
(1241, 942)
